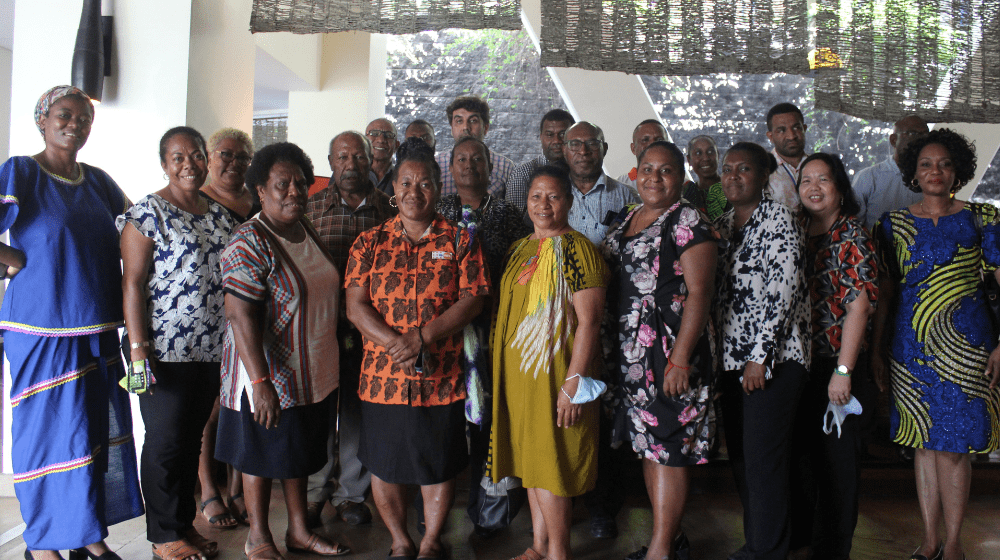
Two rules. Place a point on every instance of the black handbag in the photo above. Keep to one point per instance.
(495, 505)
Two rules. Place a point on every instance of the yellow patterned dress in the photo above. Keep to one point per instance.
(941, 336)
(532, 347)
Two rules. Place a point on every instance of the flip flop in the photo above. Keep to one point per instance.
(257, 552)
(240, 517)
(215, 520)
(312, 548)
(175, 550)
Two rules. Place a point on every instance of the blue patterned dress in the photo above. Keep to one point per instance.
(941, 335)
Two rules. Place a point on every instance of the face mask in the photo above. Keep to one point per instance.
(589, 389)
(836, 414)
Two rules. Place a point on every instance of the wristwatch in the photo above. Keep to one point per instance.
(843, 370)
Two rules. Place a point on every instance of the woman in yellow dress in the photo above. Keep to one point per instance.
(545, 348)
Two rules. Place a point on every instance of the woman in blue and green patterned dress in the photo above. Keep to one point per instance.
(934, 339)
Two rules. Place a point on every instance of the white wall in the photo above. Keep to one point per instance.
(6, 59)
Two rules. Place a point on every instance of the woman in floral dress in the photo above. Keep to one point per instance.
(663, 264)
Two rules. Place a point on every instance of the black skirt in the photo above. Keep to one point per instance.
(295, 448)
(422, 445)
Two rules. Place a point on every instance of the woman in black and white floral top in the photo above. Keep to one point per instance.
(762, 313)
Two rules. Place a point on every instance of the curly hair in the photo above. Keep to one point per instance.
(962, 152)
(230, 134)
(186, 131)
(472, 104)
(841, 181)
(264, 160)
(416, 150)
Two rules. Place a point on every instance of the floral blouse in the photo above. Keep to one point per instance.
(184, 303)
(762, 309)
(840, 263)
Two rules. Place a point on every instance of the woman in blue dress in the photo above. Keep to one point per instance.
(72, 449)
(935, 342)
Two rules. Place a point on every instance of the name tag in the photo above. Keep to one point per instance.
(440, 255)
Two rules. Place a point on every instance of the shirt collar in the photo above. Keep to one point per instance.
(602, 182)
(437, 229)
(781, 161)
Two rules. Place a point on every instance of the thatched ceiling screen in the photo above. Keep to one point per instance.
(395, 17)
(936, 58)
(677, 37)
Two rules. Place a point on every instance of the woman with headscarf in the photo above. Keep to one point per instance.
(73, 454)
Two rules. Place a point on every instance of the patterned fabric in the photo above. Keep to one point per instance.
(783, 184)
(589, 211)
(50, 97)
(237, 218)
(517, 183)
(711, 201)
(762, 309)
(71, 285)
(338, 226)
(941, 335)
(646, 304)
(410, 285)
(502, 166)
(184, 301)
(532, 347)
(499, 225)
(880, 189)
(298, 287)
(839, 264)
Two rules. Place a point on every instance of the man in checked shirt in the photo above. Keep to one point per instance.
(348, 206)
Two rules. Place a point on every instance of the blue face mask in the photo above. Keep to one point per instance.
(836, 414)
(589, 389)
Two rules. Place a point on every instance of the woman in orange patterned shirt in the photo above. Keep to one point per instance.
(413, 283)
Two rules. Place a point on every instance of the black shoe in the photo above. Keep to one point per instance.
(314, 514)
(356, 513)
(638, 555)
(603, 527)
(682, 547)
(84, 554)
(937, 555)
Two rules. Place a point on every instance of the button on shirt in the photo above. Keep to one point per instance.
(880, 189)
(783, 185)
(502, 166)
(589, 210)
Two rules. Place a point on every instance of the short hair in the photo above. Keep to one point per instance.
(466, 140)
(559, 173)
(669, 147)
(472, 104)
(186, 131)
(416, 150)
(386, 119)
(556, 115)
(264, 160)
(364, 140)
(702, 137)
(781, 109)
(761, 158)
(599, 132)
(840, 180)
(962, 152)
(230, 134)
(648, 121)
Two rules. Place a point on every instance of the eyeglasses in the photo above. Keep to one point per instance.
(576, 145)
(375, 133)
(228, 157)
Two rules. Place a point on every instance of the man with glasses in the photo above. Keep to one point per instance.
(469, 115)
(786, 129)
(880, 188)
(423, 130)
(383, 137)
(598, 198)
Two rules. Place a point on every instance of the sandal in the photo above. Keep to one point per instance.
(313, 547)
(175, 550)
(258, 552)
(241, 516)
(209, 549)
(218, 521)
(529, 554)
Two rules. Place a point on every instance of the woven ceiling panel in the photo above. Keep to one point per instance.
(396, 17)
(939, 59)
(677, 37)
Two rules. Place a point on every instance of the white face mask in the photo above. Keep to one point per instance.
(836, 414)
(589, 389)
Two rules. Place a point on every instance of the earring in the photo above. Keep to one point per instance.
(915, 184)
(165, 178)
(392, 201)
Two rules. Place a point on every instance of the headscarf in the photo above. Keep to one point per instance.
(53, 95)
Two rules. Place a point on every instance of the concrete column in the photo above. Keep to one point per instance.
(986, 137)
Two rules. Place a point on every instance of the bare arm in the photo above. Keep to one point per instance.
(137, 254)
(249, 339)
(993, 364)
(12, 258)
(589, 307)
(851, 341)
(698, 263)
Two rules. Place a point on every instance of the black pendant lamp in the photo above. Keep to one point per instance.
(89, 62)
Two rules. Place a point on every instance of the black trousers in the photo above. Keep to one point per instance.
(758, 429)
(174, 413)
(825, 468)
(608, 495)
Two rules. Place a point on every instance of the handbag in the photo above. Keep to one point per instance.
(495, 504)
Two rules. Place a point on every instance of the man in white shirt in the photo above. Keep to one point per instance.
(647, 132)
(880, 188)
(786, 129)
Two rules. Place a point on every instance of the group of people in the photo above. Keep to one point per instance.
(539, 324)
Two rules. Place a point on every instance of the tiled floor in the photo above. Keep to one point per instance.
(889, 527)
